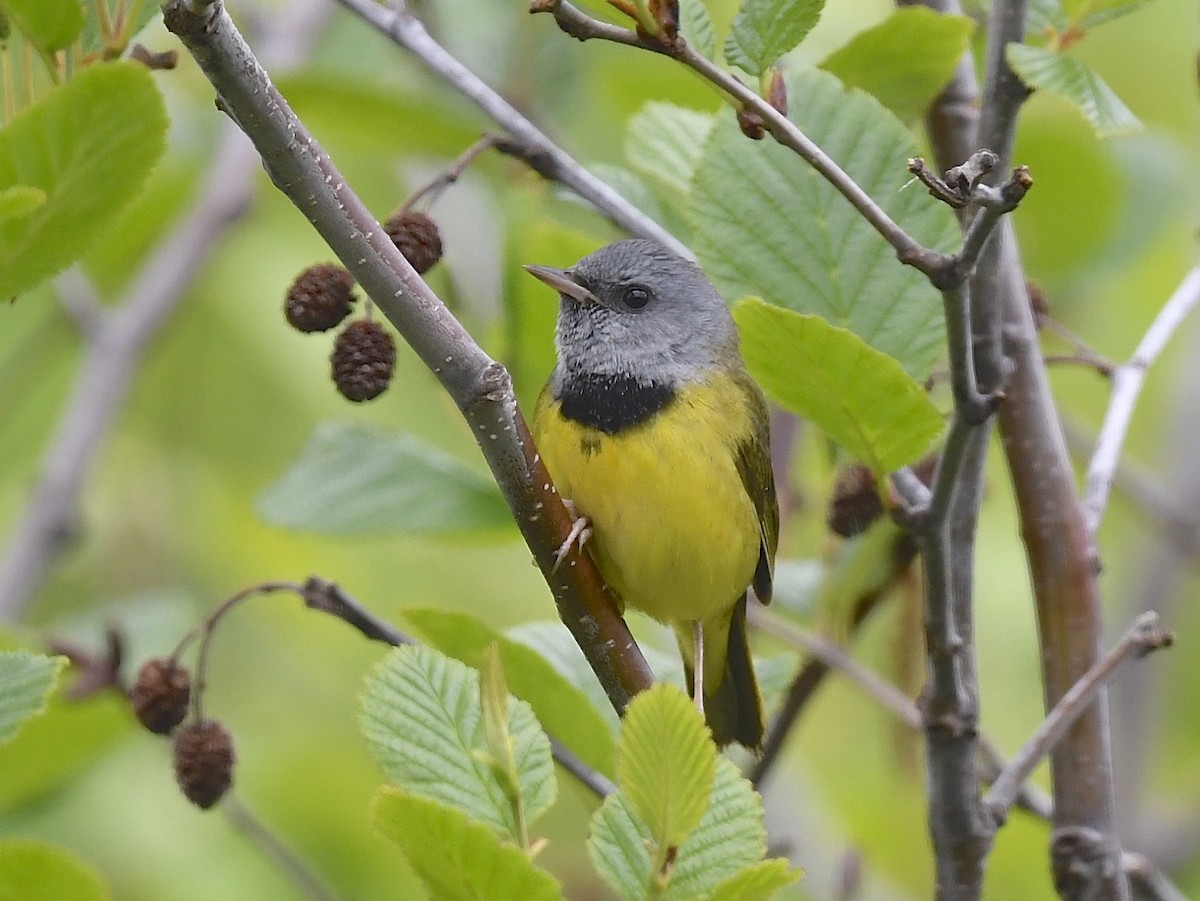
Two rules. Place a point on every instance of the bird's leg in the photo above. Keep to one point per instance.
(698, 664)
(581, 531)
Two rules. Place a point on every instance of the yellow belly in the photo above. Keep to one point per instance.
(674, 533)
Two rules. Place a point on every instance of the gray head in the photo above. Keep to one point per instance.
(635, 308)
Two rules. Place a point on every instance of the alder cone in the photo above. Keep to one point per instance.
(319, 299)
(417, 237)
(855, 503)
(204, 762)
(363, 360)
(160, 695)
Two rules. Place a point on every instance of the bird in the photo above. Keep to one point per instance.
(654, 431)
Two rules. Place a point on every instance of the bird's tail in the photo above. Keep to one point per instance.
(733, 703)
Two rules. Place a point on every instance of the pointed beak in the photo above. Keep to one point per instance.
(562, 282)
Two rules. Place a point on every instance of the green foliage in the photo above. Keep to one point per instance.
(456, 857)
(757, 882)
(1057, 18)
(696, 26)
(764, 30)
(352, 479)
(684, 821)
(48, 25)
(880, 60)
(859, 396)
(88, 146)
(20, 201)
(666, 143)
(423, 719)
(666, 765)
(728, 839)
(767, 224)
(133, 15)
(26, 681)
(33, 871)
(562, 708)
(1075, 80)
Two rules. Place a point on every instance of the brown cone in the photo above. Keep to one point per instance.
(319, 298)
(204, 762)
(417, 237)
(363, 360)
(160, 695)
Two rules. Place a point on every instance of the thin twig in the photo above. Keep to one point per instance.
(329, 597)
(1127, 386)
(274, 849)
(583, 27)
(523, 138)
(1142, 637)
(451, 173)
(834, 658)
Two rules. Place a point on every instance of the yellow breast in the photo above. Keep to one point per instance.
(675, 534)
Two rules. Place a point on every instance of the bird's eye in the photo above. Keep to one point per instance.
(635, 297)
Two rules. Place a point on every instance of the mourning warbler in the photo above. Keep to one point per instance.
(654, 430)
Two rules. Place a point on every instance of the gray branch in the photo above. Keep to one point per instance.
(525, 139)
(1127, 387)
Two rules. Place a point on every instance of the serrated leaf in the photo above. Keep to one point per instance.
(48, 25)
(88, 146)
(26, 681)
(34, 871)
(729, 837)
(1076, 81)
(696, 26)
(881, 61)
(1045, 18)
(764, 30)
(666, 143)
(767, 224)
(666, 763)
(422, 719)
(860, 397)
(20, 201)
(758, 882)
(564, 710)
(493, 702)
(355, 479)
(458, 859)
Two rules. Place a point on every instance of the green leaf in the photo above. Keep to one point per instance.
(26, 681)
(33, 871)
(729, 837)
(881, 61)
(353, 479)
(696, 26)
(757, 882)
(764, 30)
(47, 24)
(767, 224)
(422, 718)
(20, 201)
(458, 859)
(1076, 81)
(493, 692)
(564, 710)
(666, 763)
(666, 143)
(88, 146)
(1045, 18)
(860, 397)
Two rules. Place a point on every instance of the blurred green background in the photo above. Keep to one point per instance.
(228, 394)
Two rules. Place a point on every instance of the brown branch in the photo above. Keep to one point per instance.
(1140, 639)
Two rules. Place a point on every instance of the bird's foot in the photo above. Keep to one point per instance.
(581, 531)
